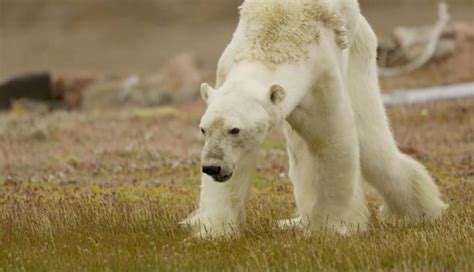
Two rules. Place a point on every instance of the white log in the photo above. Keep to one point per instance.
(443, 19)
(417, 96)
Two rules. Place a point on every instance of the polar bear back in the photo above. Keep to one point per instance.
(280, 31)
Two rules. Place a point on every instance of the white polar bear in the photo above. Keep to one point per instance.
(309, 65)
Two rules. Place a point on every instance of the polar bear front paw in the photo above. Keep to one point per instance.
(386, 215)
(291, 223)
(205, 228)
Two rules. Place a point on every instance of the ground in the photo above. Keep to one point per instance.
(105, 190)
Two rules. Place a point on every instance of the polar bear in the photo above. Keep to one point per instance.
(309, 66)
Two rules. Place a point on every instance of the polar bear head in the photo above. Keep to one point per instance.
(236, 121)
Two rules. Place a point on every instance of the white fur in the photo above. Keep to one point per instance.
(335, 125)
(407, 188)
(222, 205)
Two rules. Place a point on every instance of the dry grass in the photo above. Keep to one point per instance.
(48, 227)
(105, 191)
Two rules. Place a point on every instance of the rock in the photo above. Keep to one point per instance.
(70, 88)
(36, 86)
(57, 91)
(176, 82)
(156, 113)
(25, 105)
(104, 93)
(181, 78)
(39, 134)
(143, 92)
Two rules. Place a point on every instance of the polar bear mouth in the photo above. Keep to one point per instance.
(222, 178)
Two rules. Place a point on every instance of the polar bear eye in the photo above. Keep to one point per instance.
(234, 131)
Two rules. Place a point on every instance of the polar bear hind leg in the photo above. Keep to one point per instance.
(408, 190)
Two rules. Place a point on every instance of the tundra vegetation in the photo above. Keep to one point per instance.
(105, 191)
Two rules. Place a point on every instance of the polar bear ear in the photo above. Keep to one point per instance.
(206, 91)
(277, 94)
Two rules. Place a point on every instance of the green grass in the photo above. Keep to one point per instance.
(46, 227)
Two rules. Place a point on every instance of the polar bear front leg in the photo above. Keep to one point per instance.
(324, 158)
(222, 205)
(327, 187)
(303, 175)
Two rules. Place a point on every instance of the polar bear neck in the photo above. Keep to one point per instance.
(281, 31)
(265, 76)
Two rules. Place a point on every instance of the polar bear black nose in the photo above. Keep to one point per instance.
(211, 170)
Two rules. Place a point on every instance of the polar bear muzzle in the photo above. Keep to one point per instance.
(216, 173)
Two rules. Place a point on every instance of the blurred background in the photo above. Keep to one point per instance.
(130, 36)
(109, 54)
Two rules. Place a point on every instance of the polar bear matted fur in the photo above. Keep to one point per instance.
(280, 33)
(309, 65)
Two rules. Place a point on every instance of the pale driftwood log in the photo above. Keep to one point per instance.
(427, 55)
(425, 95)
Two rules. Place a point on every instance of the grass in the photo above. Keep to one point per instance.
(75, 200)
(135, 228)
